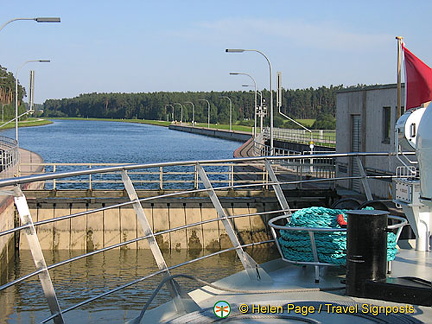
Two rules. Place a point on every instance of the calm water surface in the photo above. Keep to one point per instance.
(84, 279)
(110, 142)
(115, 142)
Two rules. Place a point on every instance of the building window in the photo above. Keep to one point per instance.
(386, 125)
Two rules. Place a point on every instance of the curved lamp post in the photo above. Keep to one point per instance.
(208, 112)
(260, 112)
(169, 105)
(38, 19)
(240, 50)
(193, 111)
(16, 94)
(230, 111)
(181, 111)
(2, 104)
(256, 90)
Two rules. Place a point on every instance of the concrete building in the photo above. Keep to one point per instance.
(365, 122)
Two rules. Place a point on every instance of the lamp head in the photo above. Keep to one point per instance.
(47, 19)
(234, 50)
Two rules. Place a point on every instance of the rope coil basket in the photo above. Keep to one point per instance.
(295, 240)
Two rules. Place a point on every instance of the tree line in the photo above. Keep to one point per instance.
(300, 104)
(7, 95)
(310, 103)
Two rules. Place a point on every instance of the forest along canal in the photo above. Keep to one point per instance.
(81, 141)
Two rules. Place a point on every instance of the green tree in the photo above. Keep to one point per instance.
(307, 103)
(325, 121)
(7, 94)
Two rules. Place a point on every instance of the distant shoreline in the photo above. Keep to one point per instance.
(28, 123)
(235, 127)
(138, 121)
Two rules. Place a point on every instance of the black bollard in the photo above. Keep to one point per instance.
(366, 249)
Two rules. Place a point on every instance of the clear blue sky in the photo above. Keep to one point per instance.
(179, 45)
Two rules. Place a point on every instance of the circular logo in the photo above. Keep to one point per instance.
(221, 309)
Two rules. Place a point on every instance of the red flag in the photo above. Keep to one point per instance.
(418, 81)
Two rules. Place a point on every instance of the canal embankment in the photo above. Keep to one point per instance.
(8, 216)
(109, 226)
(219, 133)
(245, 150)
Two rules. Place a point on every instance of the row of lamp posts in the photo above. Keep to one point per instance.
(228, 50)
(39, 20)
(193, 110)
(240, 50)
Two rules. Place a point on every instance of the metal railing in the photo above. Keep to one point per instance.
(160, 177)
(272, 172)
(167, 176)
(318, 137)
(312, 231)
(9, 156)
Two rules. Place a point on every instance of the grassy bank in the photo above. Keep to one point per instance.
(28, 123)
(239, 128)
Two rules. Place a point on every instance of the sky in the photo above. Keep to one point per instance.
(179, 45)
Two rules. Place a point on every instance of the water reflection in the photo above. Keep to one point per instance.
(78, 281)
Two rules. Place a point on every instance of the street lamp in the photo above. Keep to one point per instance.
(16, 94)
(230, 111)
(240, 50)
(38, 19)
(208, 112)
(167, 105)
(256, 90)
(181, 111)
(193, 111)
(261, 107)
(3, 103)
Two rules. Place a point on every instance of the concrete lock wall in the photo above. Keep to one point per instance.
(7, 242)
(220, 133)
(8, 217)
(108, 227)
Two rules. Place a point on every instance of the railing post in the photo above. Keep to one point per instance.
(277, 188)
(161, 186)
(364, 179)
(254, 271)
(196, 177)
(231, 175)
(90, 179)
(38, 257)
(300, 173)
(266, 179)
(182, 302)
(54, 180)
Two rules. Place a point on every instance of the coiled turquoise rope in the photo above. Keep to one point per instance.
(331, 246)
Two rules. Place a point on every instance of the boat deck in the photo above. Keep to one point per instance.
(293, 296)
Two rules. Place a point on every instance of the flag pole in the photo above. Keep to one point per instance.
(399, 76)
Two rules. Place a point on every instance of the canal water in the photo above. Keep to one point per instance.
(92, 141)
(84, 279)
(89, 141)
(111, 142)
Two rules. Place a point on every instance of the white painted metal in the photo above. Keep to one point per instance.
(182, 302)
(38, 258)
(407, 127)
(293, 277)
(424, 155)
(277, 188)
(364, 179)
(253, 269)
